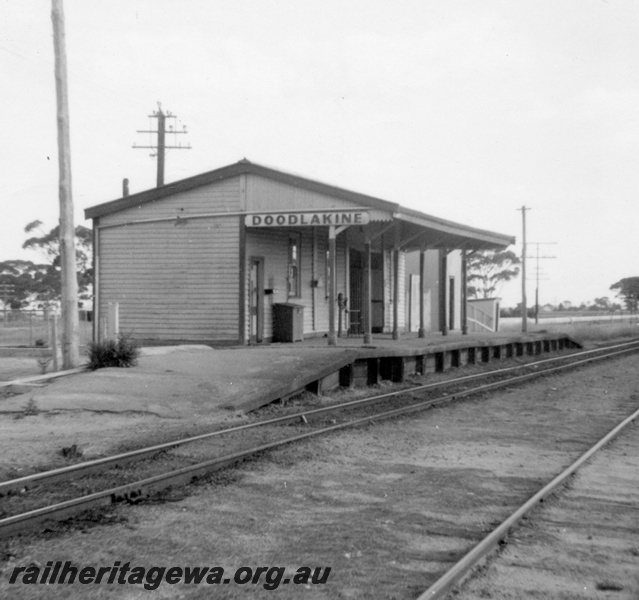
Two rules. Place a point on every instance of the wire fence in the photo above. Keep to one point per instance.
(33, 328)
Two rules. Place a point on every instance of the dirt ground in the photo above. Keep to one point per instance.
(387, 507)
(173, 392)
(18, 368)
(581, 543)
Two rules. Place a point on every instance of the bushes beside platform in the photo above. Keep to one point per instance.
(122, 352)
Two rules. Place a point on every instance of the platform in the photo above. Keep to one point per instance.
(175, 382)
(394, 360)
(183, 390)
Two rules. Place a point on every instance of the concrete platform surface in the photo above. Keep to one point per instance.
(410, 343)
(191, 380)
(184, 381)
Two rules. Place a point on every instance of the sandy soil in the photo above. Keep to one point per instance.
(387, 507)
(582, 543)
(17, 368)
(173, 392)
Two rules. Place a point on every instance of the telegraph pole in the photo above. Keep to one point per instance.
(537, 289)
(70, 321)
(537, 279)
(161, 146)
(524, 309)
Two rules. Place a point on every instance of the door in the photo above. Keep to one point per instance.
(377, 293)
(356, 282)
(256, 300)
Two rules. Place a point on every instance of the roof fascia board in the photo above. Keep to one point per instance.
(473, 238)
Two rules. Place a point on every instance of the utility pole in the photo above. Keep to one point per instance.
(537, 273)
(161, 146)
(524, 308)
(70, 320)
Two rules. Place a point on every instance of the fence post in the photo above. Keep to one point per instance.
(102, 329)
(114, 320)
(47, 320)
(53, 335)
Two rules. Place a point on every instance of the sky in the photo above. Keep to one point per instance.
(463, 109)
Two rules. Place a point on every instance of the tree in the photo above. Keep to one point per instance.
(42, 282)
(628, 290)
(516, 311)
(489, 270)
(22, 277)
(601, 304)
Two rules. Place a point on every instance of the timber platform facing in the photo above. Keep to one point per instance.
(364, 365)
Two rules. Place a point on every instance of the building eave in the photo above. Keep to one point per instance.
(437, 233)
(440, 233)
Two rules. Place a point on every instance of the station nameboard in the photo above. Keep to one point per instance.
(307, 219)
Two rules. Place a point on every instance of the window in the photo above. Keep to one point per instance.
(294, 269)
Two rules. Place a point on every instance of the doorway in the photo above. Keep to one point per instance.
(356, 285)
(356, 278)
(451, 303)
(377, 293)
(256, 300)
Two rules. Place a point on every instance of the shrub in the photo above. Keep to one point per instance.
(31, 409)
(44, 362)
(111, 353)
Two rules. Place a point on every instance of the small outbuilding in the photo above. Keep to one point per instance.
(250, 254)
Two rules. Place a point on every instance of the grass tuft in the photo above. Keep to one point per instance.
(122, 352)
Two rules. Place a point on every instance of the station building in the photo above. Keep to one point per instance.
(249, 254)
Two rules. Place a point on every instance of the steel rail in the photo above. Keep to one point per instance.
(138, 490)
(444, 584)
(99, 464)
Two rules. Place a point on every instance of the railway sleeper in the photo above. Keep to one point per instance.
(130, 497)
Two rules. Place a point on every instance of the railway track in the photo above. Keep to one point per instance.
(470, 561)
(29, 501)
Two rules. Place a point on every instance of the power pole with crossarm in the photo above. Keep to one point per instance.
(161, 146)
(524, 308)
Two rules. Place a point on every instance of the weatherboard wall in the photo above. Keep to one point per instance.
(454, 271)
(178, 271)
(264, 194)
(431, 289)
(174, 279)
(271, 244)
(220, 197)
